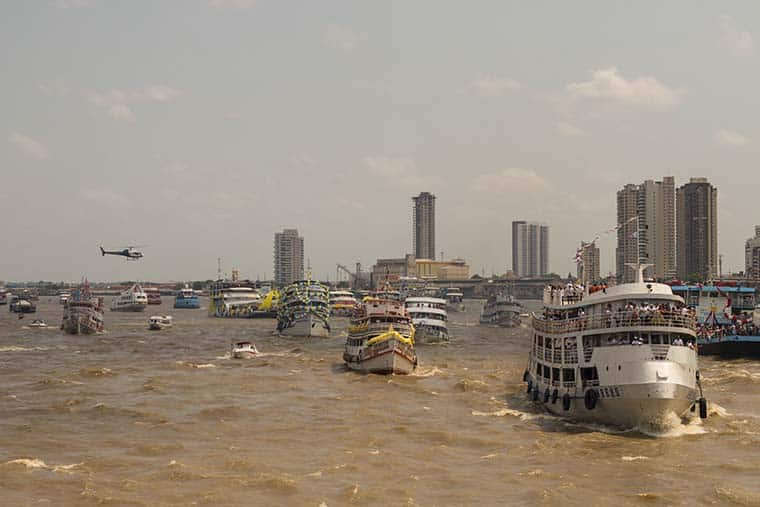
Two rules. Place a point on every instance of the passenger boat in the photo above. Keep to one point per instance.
(4, 297)
(21, 305)
(63, 297)
(728, 324)
(455, 299)
(342, 303)
(429, 317)
(381, 338)
(304, 309)
(501, 310)
(133, 299)
(244, 350)
(624, 357)
(233, 300)
(269, 305)
(186, 298)
(83, 313)
(154, 295)
(159, 322)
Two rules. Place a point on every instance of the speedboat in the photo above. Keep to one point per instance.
(244, 350)
(159, 322)
(38, 323)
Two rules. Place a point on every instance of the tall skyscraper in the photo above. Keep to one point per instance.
(288, 257)
(530, 248)
(423, 226)
(752, 255)
(646, 213)
(589, 266)
(697, 230)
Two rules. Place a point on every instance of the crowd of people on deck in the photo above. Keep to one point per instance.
(740, 325)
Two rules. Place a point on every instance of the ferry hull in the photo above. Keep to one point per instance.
(129, 308)
(732, 347)
(310, 326)
(187, 303)
(641, 406)
(390, 361)
(425, 335)
(80, 324)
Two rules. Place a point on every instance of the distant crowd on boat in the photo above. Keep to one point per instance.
(740, 326)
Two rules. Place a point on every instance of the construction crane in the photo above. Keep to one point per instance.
(353, 278)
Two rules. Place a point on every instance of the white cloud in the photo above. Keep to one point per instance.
(54, 88)
(569, 130)
(117, 102)
(607, 85)
(341, 38)
(390, 166)
(121, 112)
(233, 4)
(106, 197)
(730, 138)
(735, 38)
(491, 86)
(512, 180)
(29, 146)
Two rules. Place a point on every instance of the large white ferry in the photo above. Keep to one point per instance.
(501, 310)
(381, 338)
(133, 299)
(233, 299)
(83, 312)
(304, 310)
(342, 303)
(623, 356)
(455, 299)
(429, 318)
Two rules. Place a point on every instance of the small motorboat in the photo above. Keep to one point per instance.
(38, 323)
(159, 322)
(244, 350)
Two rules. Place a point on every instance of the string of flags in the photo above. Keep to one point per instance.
(579, 253)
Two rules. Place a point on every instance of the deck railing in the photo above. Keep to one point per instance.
(614, 321)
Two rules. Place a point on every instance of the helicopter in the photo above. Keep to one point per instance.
(129, 253)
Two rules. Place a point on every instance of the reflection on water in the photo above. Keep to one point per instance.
(141, 417)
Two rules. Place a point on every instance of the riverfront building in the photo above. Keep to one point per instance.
(697, 230)
(288, 257)
(423, 225)
(752, 256)
(530, 249)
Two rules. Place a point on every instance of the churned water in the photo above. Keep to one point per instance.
(137, 417)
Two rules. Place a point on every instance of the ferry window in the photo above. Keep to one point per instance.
(568, 375)
(656, 339)
(555, 374)
(644, 337)
(547, 372)
(665, 339)
(540, 341)
(538, 369)
(589, 373)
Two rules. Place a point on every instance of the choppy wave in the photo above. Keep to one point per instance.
(523, 416)
(426, 371)
(738, 496)
(466, 385)
(18, 348)
(38, 464)
(730, 375)
(191, 364)
(634, 458)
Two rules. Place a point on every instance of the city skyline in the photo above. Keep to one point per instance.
(328, 117)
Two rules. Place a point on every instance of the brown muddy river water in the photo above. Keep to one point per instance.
(138, 417)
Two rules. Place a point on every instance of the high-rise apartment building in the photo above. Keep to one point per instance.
(423, 226)
(752, 255)
(588, 265)
(647, 233)
(697, 230)
(288, 257)
(530, 248)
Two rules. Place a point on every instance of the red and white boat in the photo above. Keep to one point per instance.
(154, 296)
(83, 313)
(244, 350)
(381, 338)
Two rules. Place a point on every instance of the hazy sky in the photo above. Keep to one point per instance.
(203, 127)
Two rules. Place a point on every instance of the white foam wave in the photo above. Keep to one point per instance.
(523, 416)
(38, 464)
(634, 458)
(16, 348)
(195, 365)
(426, 372)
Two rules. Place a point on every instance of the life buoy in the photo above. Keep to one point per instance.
(590, 399)
(566, 402)
(555, 395)
(702, 408)
(530, 386)
(547, 393)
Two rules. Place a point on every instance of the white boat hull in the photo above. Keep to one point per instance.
(132, 307)
(391, 360)
(426, 335)
(80, 324)
(641, 406)
(309, 326)
(244, 354)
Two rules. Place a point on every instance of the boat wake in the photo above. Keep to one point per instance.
(38, 464)
(191, 364)
(429, 371)
(523, 416)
